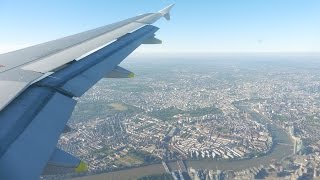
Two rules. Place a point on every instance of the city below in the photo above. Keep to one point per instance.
(215, 117)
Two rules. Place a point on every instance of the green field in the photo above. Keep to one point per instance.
(168, 114)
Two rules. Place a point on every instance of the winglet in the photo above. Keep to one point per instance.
(166, 12)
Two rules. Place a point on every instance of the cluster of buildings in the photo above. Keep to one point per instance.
(286, 98)
(297, 167)
(226, 138)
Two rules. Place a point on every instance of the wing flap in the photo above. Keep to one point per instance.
(39, 138)
(152, 40)
(120, 72)
(62, 158)
(20, 113)
(62, 162)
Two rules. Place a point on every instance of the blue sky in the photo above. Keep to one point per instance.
(196, 26)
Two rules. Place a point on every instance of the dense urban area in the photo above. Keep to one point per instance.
(231, 118)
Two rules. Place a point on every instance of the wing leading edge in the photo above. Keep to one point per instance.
(38, 86)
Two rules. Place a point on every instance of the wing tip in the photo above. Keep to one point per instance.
(166, 12)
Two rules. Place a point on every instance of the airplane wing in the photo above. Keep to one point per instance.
(38, 85)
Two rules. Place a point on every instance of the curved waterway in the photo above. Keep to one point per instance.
(282, 147)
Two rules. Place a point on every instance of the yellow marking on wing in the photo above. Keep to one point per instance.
(81, 168)
(131, 75)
